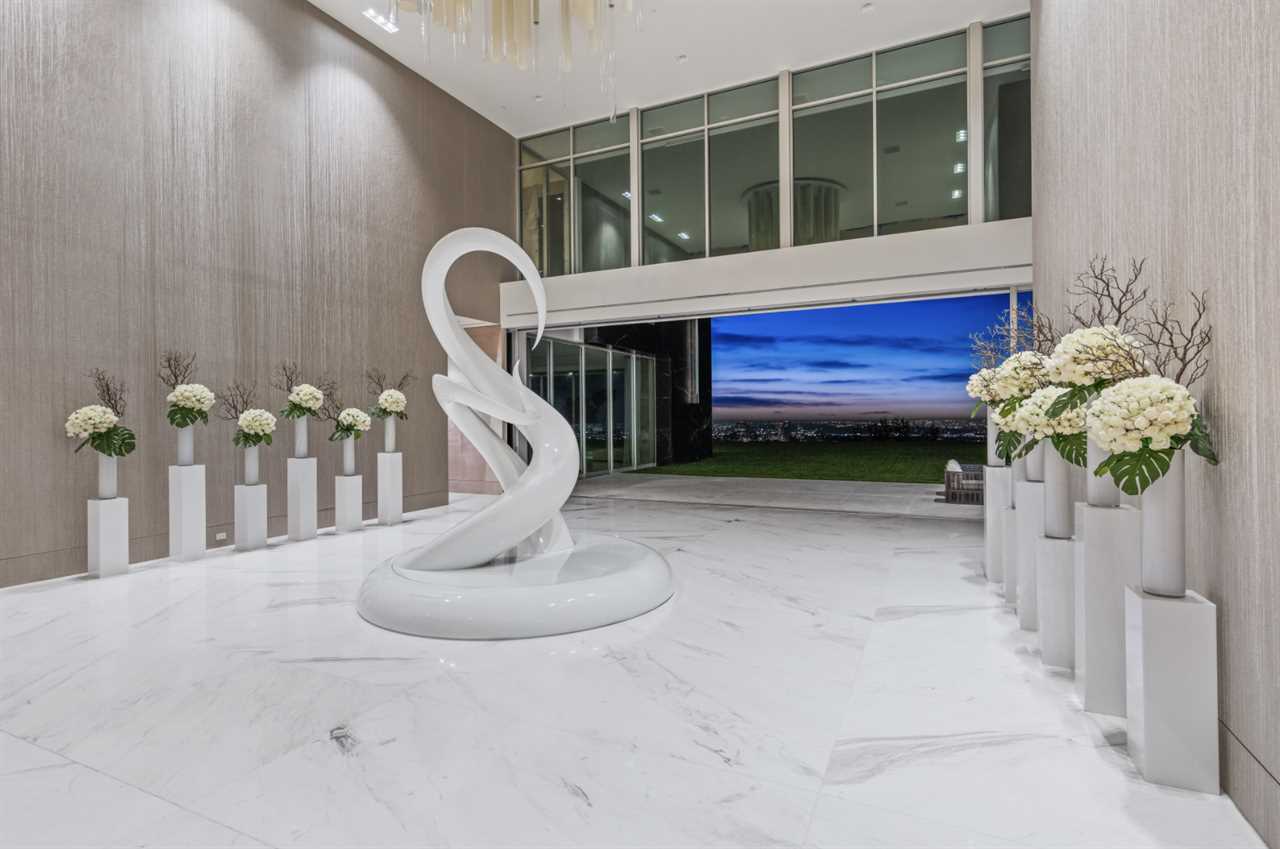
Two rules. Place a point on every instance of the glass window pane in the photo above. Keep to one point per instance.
(833, 160)
(646, 412)
(596, 395)
(1006, 40)
(672, 208)
(544, 147)
(923, 139)
(741, 102)
(604, 133)
(671, 118)
(1007, 121)
(921, 60)
(544, 216)
(821, 83)
(566, 382)
(622, 376)
(744, 187)
(536, 365)
(603, 206)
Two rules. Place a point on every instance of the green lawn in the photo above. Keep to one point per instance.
(903, 461)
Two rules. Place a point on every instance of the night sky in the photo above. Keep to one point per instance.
(906, 359)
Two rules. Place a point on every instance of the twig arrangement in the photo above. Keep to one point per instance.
(376, 379)
(289, 375)
(235, 399)
(1101, 298)
(111, 391)
(1023, 329)
(176, 368)
(1176, 350)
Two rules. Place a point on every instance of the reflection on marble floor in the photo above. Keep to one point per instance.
(819, 679)
(871, 497)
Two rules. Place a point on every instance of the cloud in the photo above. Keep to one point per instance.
(922, 344)
(767, 401)
(728, 340)
(832, 365)
(754, 380)
(938, 377)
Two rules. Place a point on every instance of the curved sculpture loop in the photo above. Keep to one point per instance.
(544, 583)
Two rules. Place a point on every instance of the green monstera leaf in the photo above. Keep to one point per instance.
(117, 441)
(1027, 448)
(1007, 443)
(1135, 471)
(1200, 442)
(1074, 448)
(1076, 396)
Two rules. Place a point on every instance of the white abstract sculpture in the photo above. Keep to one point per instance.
(511, 569)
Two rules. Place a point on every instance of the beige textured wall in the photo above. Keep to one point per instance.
(242, 178)
(1157, 133)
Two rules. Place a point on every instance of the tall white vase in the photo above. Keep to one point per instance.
(993, 459)
(108, 477)
(349, 456)
(186, 445)
(1035, 463)
(251, 465)
(1099, 491)
(389, 434)
(1059, 512)
(300, 437)
(1164, 542)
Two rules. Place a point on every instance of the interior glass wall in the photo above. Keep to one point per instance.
(673, 199)
(922, 155)
(608, 395)
(602, 201)
(1006, 107)
(834, 162)
(743, 162)
(544, 217)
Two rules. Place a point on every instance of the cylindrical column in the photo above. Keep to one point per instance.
(993, 459)
(251, 465)
(1099, 491)
(1059, 512)
(349, 456)
(1035, 463)
(186, 445)
(1164, 542)
(389, 434)
(300, 437)
(107, 476)
(1019, 474)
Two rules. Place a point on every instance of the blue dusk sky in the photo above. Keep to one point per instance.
(907, 359)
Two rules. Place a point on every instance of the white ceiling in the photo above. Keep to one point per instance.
(725, 42)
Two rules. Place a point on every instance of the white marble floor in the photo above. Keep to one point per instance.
(893, 499)
(820, 678)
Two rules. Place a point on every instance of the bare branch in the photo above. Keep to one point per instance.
(176, 367)
(378, 383)
(235, 399)
(1176, 350)
(288, 375)
(1024, 329)
(1101, 298)
(111, 391)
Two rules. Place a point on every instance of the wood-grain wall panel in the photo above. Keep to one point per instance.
(247, 180)
(1156, 133)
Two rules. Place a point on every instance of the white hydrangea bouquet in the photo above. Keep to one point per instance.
(98, 425)
(1143, 421)
(304, 400)
(351, 423)
(1004, 390)
(391, 402)
(189, 403)
(981, 388)
(1065, 432)
(1088, 360)
(254, 427)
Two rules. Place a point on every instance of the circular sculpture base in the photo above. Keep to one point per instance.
(602, 580)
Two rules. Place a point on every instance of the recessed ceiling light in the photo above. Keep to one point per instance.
(627, 195)
(389, 26)
(683, 235)
(537, 98)
(682, 58)
(958, 168)
(653, 216)
(956, 194)
(867, 7)
(962, 136)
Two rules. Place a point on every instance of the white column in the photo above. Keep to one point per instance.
(1108, 562)
(301, 485)
(977, 144)
(637, 226)
(108, 540)
(348, 507)
(250, 516)
(1172, 689)
(186, 512)
(390, 487)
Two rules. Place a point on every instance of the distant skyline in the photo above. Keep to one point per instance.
(867, 361)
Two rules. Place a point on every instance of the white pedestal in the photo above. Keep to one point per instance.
(1030, 518)
(390, 487)
(1009, 555)
(1055, 602)
(1109, 559)
(186, 512)
(108, 537)
(1172, 685)
(348, 509)
(251, 516)
(997, 495)
(302, 497)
